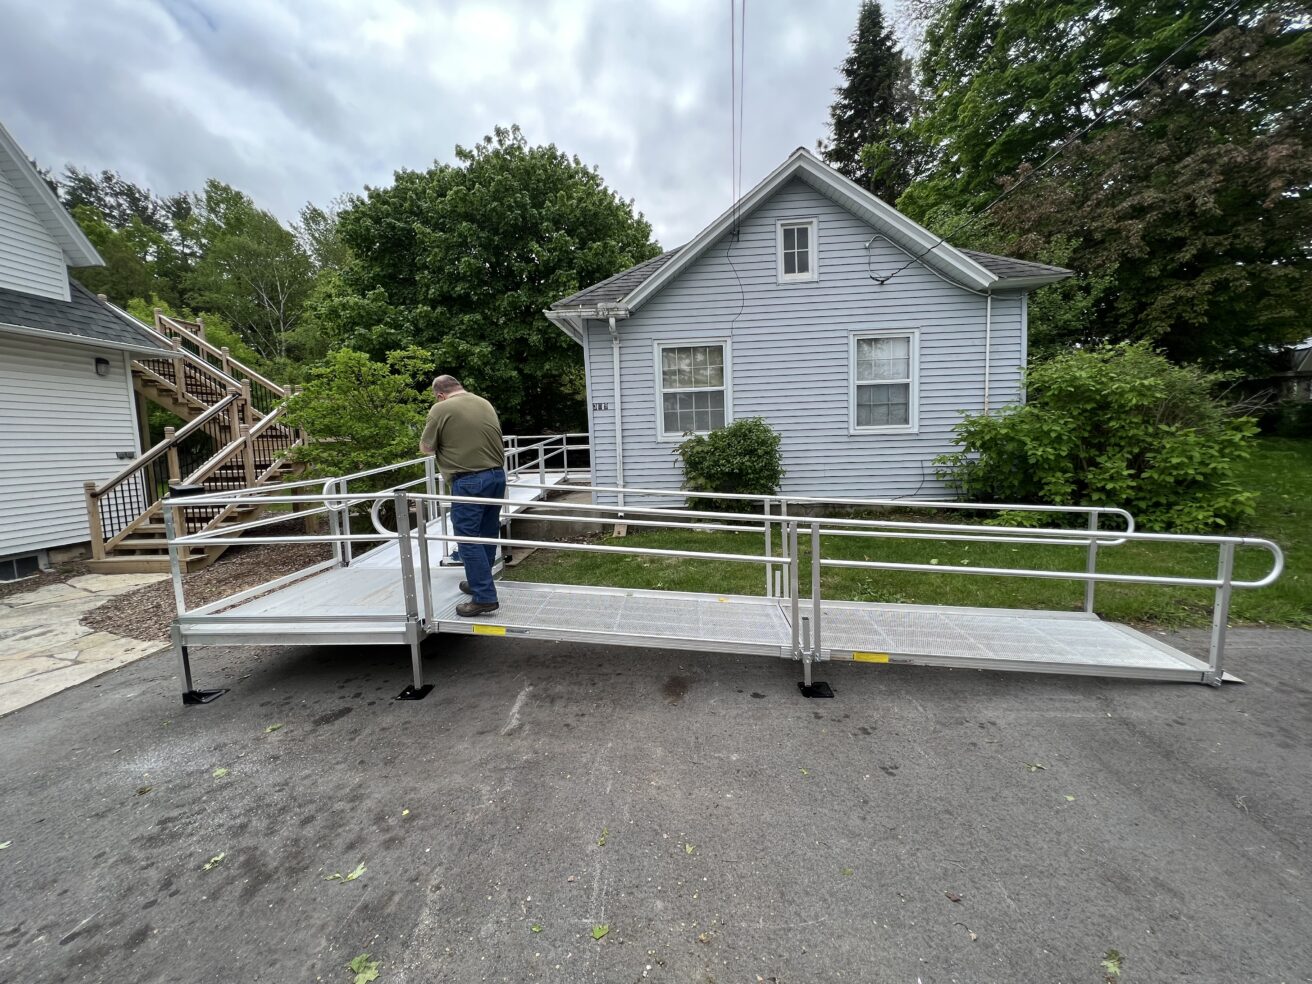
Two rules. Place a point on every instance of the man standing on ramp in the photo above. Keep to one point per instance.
(464, 432)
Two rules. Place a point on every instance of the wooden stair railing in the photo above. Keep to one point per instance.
(235, 438)
(189, 337)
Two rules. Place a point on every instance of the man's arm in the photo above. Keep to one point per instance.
(429, 438)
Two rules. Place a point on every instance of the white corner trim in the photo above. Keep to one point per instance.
(659, 402)
(812, 225)
(913, 408)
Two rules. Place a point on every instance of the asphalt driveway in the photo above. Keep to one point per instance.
(927, 825)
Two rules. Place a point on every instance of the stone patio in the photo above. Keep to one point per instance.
(44, 647)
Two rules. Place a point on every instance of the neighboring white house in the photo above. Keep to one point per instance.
(857, 335)
(68, 413)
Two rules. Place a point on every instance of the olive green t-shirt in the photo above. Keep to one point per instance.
(466, 435)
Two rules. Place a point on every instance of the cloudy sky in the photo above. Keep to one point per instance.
(305, 99)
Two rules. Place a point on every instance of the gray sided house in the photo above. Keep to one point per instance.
(858, 336)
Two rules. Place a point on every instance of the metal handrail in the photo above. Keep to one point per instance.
(871, 528)
(806, 500)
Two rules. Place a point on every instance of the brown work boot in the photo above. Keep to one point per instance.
(471, 609)
(464, 587)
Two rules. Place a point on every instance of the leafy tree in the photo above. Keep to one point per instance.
(252, 270)
(319, 235)
(1113, 426)
(360, 413)
(145, 240)
(128, 272)
(463, 258)
(1005, 81)
(867, 120)
(1196, 206)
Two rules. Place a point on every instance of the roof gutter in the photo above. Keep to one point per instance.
(64, 336)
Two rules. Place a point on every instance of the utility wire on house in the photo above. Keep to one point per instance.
(1112, 107)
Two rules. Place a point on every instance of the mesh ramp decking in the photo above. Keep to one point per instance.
(1034, 641)
(665, 619)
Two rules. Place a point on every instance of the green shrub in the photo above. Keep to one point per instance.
(742, 458)
(1112, 426)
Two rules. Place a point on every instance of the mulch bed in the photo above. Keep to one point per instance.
(146, 612)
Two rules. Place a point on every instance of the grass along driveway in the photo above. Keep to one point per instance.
(1280, 470)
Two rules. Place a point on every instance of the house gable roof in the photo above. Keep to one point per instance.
(970, 269)
(82, 318)
(77, 249)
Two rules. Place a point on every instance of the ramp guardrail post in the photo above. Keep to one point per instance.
(769, 568)
(334, 525)
(815, 650)
(1092, 567)
(790, 531)
(173, 519)
(347, 553)
(1225, 570)
(416, 690)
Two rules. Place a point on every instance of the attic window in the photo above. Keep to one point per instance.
(796, 249)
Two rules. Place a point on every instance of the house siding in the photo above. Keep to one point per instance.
(30, 259)
(60, 425)
(790, 356)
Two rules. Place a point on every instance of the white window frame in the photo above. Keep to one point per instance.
(813, 237)
(661, 344)
(912, 426)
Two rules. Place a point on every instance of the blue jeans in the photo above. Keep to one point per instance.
(471, 519)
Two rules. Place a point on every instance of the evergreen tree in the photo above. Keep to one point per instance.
(868, 117)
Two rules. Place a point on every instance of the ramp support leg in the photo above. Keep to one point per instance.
(417, 690)
(1225, 570)
(811, 627)
(190, 695)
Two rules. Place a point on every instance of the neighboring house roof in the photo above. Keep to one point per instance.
(78, 251)
(1009, 269)
(975, 271)
(84, 317)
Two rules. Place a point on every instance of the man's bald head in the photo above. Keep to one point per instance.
(446, 385)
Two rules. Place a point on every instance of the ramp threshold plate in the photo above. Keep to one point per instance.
(635, 618)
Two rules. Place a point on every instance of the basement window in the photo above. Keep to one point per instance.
(17, 568)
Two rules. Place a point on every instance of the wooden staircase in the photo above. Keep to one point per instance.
(234, 437)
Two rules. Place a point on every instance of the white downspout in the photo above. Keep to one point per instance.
(988, 345)
(619, 411)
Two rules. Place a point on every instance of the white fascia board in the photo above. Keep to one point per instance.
(78, 251)
(708, 236)
(568, 323)
(59, 336)
(957, 264)
(1031, 283)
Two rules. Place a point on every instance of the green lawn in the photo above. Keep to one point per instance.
(1280, 469)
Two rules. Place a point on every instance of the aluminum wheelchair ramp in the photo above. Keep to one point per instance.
(400, 590)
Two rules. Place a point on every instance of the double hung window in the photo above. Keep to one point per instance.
(884, 374)
(693, 388)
